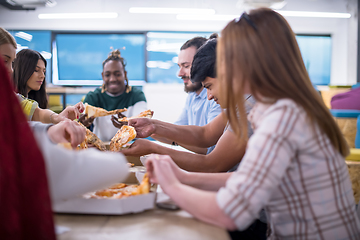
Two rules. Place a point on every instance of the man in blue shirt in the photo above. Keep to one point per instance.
(198, 110)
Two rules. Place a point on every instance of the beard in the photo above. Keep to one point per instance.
(192, 87)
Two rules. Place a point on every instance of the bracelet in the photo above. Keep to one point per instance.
(50, 117)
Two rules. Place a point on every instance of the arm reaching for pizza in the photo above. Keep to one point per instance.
(229, 145)
(163, 171)
(192, 135)
(48, 116)
(144, 126)
(66, 131)
(73, 112)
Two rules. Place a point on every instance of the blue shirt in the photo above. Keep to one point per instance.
(199, 111)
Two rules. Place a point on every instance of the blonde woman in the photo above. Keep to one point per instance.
(294, 163)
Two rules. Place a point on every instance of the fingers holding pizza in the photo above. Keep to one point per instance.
(140, 147)
(67, 131)
(115, 121)
(143, 126)
(85, 120)
(162, 170)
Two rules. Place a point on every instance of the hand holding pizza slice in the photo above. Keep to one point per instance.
(144, 114)
(124, 135)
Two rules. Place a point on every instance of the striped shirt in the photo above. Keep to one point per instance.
(296, 174)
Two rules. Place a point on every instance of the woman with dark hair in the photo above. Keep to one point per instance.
(115, 93)
(29, 76)
(29, 80)
(294, 163)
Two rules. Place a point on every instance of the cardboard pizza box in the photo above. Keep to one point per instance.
(126, 205)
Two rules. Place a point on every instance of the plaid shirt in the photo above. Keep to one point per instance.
(294, 173)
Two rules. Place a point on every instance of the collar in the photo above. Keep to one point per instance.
(113, 95)
(203, 94)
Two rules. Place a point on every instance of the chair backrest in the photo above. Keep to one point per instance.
(348, 124)
(357, 137)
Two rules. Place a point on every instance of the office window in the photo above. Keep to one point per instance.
(316, 53)
(36, 40)
(78, 57)
(162, 50)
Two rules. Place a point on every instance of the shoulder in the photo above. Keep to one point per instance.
(26, 101)
(92, 95)
(283, 111)
(137, 94)
(97, 91)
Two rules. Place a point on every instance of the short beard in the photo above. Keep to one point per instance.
(193, 87)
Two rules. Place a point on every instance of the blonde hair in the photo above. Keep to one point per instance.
(6, 37)
(260, 51)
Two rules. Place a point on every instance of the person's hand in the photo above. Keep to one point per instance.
(73, 112)
(139, 148)
(162, 170)
(67, 131)
(86, 121)
(116, 122)
(143, 126)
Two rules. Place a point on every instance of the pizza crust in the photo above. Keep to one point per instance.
(144, 114)
(92, 111)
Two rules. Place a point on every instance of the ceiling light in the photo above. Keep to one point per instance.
(216, 17)
(207, 17)
(314, 14)
(77, 15)
(172, 10)
(167, 35)
(24, 35)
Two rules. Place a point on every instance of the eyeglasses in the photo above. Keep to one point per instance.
(248, 20)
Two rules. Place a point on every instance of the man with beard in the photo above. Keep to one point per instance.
(198, 110)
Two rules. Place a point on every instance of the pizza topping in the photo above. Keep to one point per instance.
(124, 135)
(121, 190)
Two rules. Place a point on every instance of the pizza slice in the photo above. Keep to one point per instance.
(67, 145)
(121, 190)
(144, 114)
(91, 138)
(124, 135)
(92, 111)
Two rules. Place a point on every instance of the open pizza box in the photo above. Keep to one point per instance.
(125, 205)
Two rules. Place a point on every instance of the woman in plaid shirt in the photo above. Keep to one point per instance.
(294, 163)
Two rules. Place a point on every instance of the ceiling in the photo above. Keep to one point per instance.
(19, 19)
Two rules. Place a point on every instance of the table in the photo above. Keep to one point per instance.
(151, 224)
